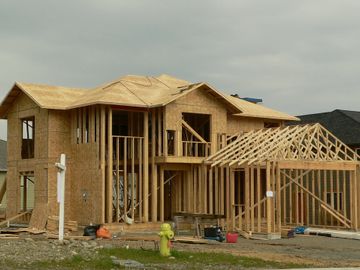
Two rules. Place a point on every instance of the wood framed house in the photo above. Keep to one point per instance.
(148, 148)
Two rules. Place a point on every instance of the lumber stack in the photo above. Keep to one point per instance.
(53, 224)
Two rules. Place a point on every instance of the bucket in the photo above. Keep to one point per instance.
(231, 237)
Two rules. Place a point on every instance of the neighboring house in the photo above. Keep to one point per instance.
(146, 149)
(343, 124)
(3, 166)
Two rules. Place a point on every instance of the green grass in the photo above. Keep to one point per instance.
(194, 260)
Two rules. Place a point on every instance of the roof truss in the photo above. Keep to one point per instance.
(300, 142)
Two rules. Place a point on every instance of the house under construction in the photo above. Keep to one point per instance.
(149, 148)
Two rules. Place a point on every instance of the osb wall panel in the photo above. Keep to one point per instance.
(59, 143)
(86, 195)
(198, 101)
(23, 107)
(237, 124)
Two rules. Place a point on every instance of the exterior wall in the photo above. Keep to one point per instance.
(52, 138)
(87, 194)
(86, 186)
(237, 124)
(25, 107)
(198, 101)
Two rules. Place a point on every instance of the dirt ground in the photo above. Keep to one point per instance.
(314, 250)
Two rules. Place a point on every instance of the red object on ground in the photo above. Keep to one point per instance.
(231, 237)
(103, 232)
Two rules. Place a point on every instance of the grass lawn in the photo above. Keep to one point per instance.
(193, 260)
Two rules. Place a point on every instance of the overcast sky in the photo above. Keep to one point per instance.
(298, 56)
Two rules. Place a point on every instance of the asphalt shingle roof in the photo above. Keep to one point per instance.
(342, 123)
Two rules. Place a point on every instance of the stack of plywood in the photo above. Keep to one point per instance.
(53, 224)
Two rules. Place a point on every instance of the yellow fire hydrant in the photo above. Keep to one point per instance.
(165, 235)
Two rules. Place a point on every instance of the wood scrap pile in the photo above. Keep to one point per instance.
(53, 225)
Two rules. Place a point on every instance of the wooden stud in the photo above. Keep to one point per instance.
(102, 162)
(132, 178)
(141, 213)
(252, 213)
(126, 184)
(268, 199)
(162, 193)
(117, 172)
(211, 190)
(258, 187)
(146, 167)
(278, 198)
(232, 198)
(109, 193)
(313, 199)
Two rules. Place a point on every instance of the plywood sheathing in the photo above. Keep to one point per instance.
(132, 91)
(23, 107)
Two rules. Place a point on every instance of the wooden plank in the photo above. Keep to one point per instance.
(109, 179)
(344, 193)
(313, 199)
(268, 199)
(290, 201)
(192, 131)
(140, 156)
(211, 192)
(133, 178)
(39, 216)
(126, 183)
(252, 213)
(146, 167)
(188, 191)
(153, 170)
(301, 201)
(338, 192)
(247, 198)
(355, 199)
(318, 165)
(205, 181)
(222, 191)
(232, 198)
(324, 195)
(102, 162)
(117, 171)
(165, 138)
(273, 206)
(162, 193)
(278, 198)
(296, 200)
(8, 220)
(331, 195)
(228, 206)
(159, 113)
(258, 194)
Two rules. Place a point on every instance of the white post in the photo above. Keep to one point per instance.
(61, 193)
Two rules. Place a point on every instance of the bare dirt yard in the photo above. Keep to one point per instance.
(36, 252)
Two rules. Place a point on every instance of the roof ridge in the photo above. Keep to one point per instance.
(348, 116)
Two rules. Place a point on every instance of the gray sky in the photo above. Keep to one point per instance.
(299, 56)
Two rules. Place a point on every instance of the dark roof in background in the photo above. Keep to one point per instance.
(3, 154)
(342, 123)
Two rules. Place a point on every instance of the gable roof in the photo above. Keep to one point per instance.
(342, 123)
(298, 142)
(133, 91)
(3, 155)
